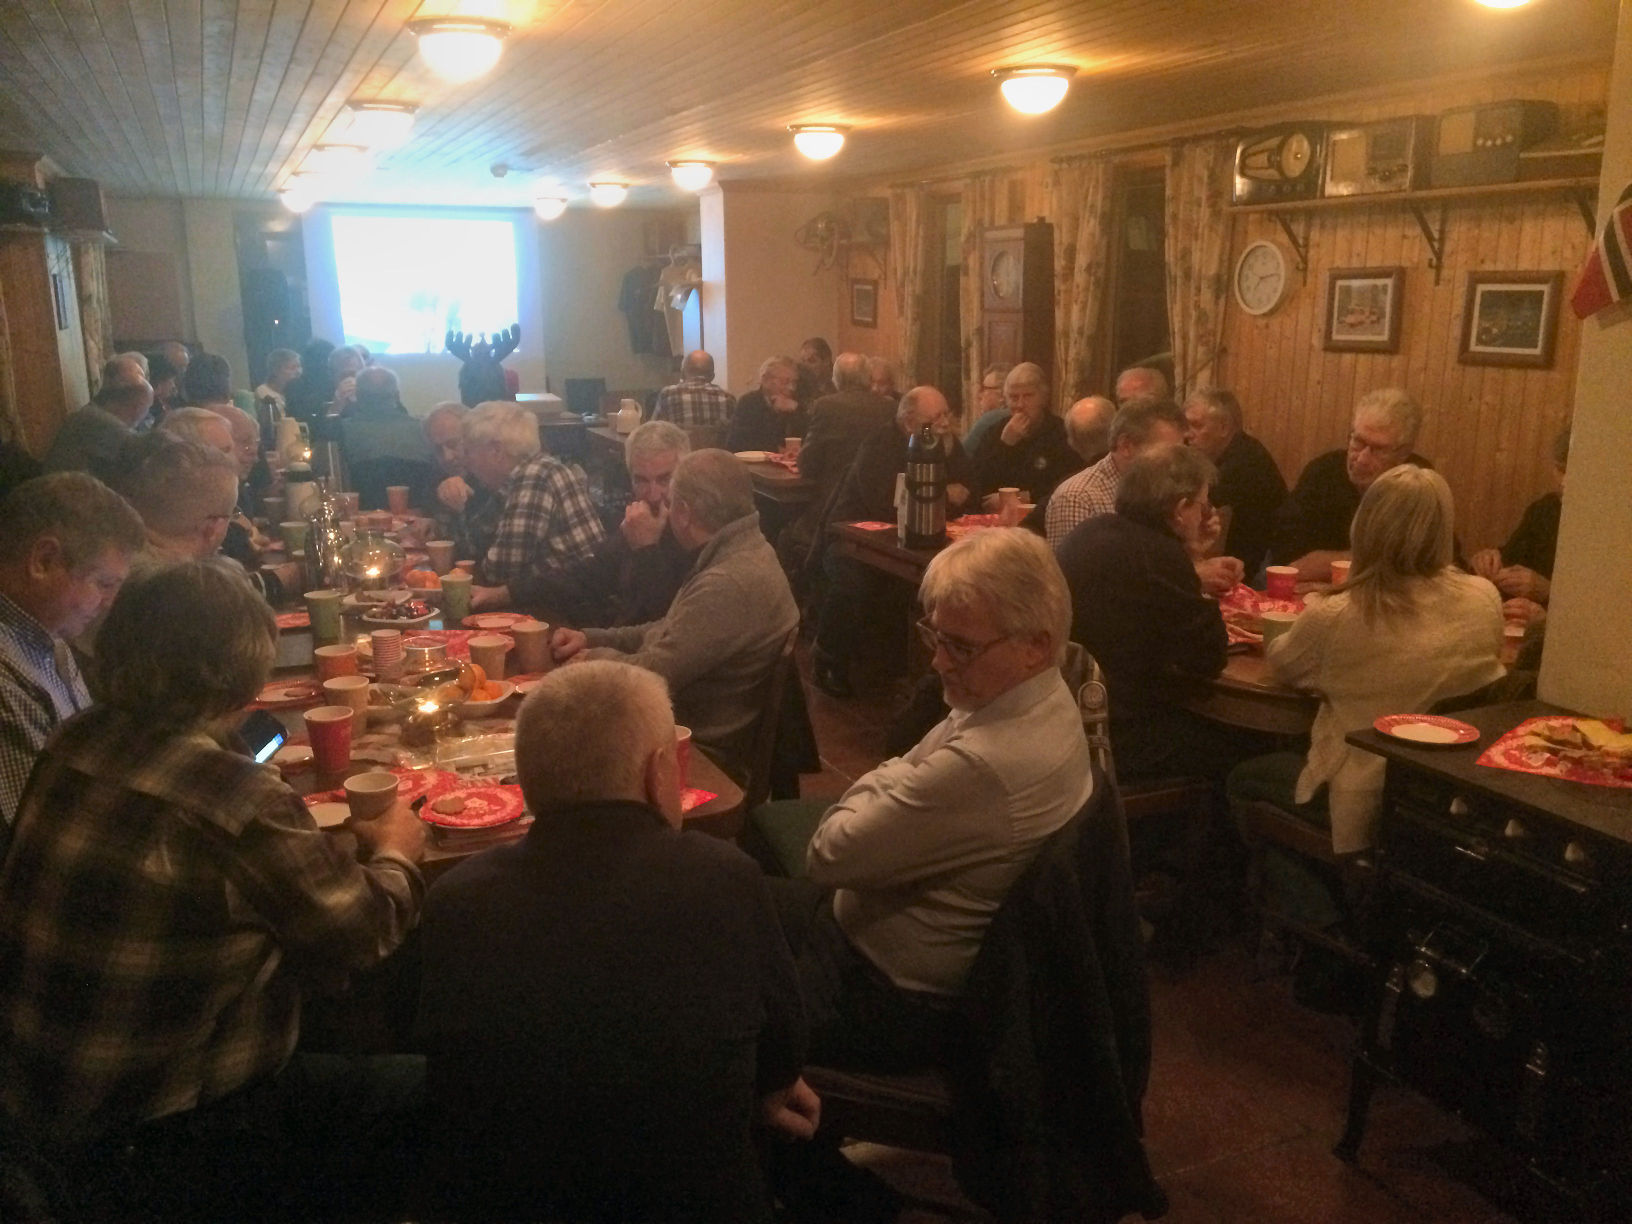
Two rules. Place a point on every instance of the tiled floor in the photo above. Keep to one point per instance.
(1247, 1089)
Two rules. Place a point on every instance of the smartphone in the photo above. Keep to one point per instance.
(264, 734)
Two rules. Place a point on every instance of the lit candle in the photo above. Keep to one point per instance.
(428, 707)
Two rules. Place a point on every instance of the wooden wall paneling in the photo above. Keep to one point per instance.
(114, 23)
(81, 51)
(31, 320)
(28, 66)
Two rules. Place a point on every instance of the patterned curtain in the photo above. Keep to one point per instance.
(982, 195)
(11, 423)
(908, 206)
(1082, 233)
(1198, 255)
(95, 316)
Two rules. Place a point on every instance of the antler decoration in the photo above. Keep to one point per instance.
(473, 346)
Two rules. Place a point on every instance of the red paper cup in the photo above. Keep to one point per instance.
(329, 728)
(332, 661)
(396, 497)
(1281, 581)
(1340, 572)
(682, 753)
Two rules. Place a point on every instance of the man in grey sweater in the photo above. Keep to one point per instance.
(724, 631)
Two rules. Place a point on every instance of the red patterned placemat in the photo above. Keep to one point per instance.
(959, 528)
(692, 797)
(782, 461)
(1243, 609)
(1527, 748)
(294, 620)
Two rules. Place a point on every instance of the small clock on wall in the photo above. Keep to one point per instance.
(1260, 278)
(1004, 275)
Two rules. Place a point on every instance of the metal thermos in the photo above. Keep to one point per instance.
(926, 490)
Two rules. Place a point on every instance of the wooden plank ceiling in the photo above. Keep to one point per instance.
(224, 97)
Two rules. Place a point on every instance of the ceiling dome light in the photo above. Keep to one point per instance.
(460, 49)
(336, 160)
(818, 141)
(549, 207)
(692, 175)
(608, 195)
(1033, 90)
(380, 125)
(299, 193)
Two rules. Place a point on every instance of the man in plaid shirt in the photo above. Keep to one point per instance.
(695, 400)
(544, 526)
(165, 906)
(66, 541)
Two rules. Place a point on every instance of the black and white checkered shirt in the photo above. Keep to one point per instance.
(548, 524)
(695, 401)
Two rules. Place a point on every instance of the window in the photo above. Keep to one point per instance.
(1138, 298)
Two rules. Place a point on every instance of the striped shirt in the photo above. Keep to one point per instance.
(40, 686)
(547, 527)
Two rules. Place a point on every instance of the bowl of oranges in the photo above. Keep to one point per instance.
(473, 693)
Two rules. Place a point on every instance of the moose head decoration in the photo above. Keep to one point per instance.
(481, 377)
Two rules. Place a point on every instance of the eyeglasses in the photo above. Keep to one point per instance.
(1357, 444)
(961, 653)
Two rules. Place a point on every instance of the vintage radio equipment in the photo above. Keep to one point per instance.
(1279, 163)
(1481, 144)
(77, 205)
(1368, 158)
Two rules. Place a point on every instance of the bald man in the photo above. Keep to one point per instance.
(1088, 432)
(1141, 383)
(695, 400)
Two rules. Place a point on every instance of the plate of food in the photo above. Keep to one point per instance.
(486, 699)
(752, 456)
(405, 615)
(474, 807)
(494, 621)
(289, 695)
(1428, 730)
(1591, 750)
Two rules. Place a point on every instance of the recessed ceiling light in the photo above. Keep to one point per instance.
(335, 160)
(818, 141)
(460, 49)
(299, 193)
(1034, 89)
(608, 195)
(380, 125)
(549, 207)
(692, 175)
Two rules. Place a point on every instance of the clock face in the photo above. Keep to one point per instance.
(1295, 154)
(1005, 275)
(1260, 278)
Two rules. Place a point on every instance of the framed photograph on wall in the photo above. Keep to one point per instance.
(863, 302)
(1510, 318)
(1363, 310)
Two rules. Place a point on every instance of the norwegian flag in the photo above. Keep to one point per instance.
(1606, 277)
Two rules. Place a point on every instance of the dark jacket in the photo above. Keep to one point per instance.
(1534, 542)
(1252, 487)
(1041, 461)
(1138, 608)
(603, 1002)
(867, 490)
(1048, 1100)
(1317, 513)
(838, 425)
(757, 426)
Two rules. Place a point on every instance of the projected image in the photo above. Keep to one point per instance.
(405, 282)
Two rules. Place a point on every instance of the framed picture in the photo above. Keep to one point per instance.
(863, 303)
(1363, 310)
(1509, 318)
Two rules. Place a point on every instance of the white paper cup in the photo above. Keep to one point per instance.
(1275, 624)
(347, 691)
(441, 554)
(371, 794)
(532, 646)
(682, 752)
(487, 651)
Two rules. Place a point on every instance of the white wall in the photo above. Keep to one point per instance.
(1588, 660)
(760, 287)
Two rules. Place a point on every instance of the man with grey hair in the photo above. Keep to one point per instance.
(770, 414)
(1312, 527)
(854, 593)
(544, 525)
(459, 500)
(1141, 383)
(882, 377)
(695, 400)
(637, 570)
(1249, 483)
(90, 437)
(606, 1059)
(989, 411)
(923, 850)
(1030, 452)
(1135, 429)
(66, 541)
(282, 368)
(725, 629)
(202, 425)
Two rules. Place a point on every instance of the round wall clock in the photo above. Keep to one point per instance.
(1004, 274)
(1260, 278)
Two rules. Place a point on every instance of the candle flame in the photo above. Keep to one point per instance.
(428, 707)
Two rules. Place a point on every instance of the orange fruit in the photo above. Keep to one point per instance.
(471, 677)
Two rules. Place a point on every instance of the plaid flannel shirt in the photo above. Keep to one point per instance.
(695, 401)
(548, 524)
(1081, 497)
(163, 902)
(40, 686)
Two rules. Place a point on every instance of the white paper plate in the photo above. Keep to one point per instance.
(329, 815)
(754, 456)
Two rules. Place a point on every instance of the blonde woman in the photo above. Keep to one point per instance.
(1408, 629)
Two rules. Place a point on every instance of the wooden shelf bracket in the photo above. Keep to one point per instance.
(1434, 236)
(1299, 240)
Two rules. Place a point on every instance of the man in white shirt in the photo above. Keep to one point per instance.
(923, 850)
